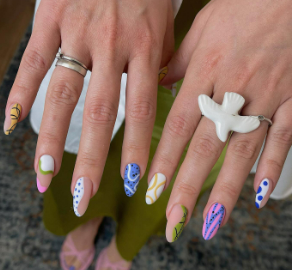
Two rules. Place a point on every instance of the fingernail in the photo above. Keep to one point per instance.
(162, 73)
(174, 89)
(11, 122)
(155, 188)
(176, 222)
(131, 179)
(45, 172)
(213, 221)
(261, 196)
(82, 195)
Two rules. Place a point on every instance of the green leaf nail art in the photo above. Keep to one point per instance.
(49, 162)
(180, 226)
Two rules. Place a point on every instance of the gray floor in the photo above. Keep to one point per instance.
(252, 239)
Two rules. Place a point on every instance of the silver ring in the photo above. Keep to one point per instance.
(262, 118)
(71, 63)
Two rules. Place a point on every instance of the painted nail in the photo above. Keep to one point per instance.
(176, 222)
(10, 123)
(81, 195)
(45, 172)
(213, 221)
(155, 188)
(131, 179)
(174, 89)
(261, 197)
(162, 73)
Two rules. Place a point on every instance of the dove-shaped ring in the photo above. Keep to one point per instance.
(226, 117)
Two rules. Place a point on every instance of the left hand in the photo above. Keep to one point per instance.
(242, 46)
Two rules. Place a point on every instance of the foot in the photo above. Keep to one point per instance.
(110, 259)
(83, 239)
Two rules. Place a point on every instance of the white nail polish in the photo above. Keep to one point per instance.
(262, 192)
(155, 188)
(78, 194)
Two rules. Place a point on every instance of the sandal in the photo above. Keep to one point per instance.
(104, 262)
(80, 255)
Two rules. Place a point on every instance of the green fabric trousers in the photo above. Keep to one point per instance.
(136, 221)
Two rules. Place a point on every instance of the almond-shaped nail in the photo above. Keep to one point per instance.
(11, 121)
(131, 179)
(176, 222)
(155, 188)
(82, 195)
(162, 73)
(45, 172)
(213, 221)
(263, 193)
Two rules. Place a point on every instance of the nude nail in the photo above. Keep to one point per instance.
(176, 222)
(155, 188)
(82, 195)
(213, 221)
(11, 121)
(45, 172)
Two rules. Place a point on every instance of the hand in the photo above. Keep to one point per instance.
(242, 46)
(109, 37)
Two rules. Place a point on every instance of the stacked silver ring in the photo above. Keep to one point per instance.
(71, 63)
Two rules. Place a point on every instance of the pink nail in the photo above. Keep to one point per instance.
(213, 221)
(40, 187)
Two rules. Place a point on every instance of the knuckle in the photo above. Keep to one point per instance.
(147, 42)
(63, 93)
(165, 160)
(142, 111)
(186, 188)
(179, 126)
(282, 136)
(205, 147)
(86, 159)
(49, 139)
(100, 112)
(34, 61)
(229, 189)
(274, 164)
(244, 149)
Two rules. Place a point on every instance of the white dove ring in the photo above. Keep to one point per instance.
(226, 117)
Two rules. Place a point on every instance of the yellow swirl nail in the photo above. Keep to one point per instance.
(15, 114)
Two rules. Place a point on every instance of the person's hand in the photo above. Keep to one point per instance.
(109, 37)
(242, 46)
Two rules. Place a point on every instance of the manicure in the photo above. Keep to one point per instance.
(82, 195)
(155, 188)
(176, 222)
(131, 179)
(213, 221)
(45, 172)
(261, 196)
(162, 74)
(11, 122)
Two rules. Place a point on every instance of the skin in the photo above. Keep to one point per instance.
(241, 46)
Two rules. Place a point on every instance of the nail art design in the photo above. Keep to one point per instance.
(155, 188)
(213, 220)
(174, 89)
(162, 74)
(46, 165)
(180, 226)
(131, 179)
(40, 187)
(78, 194)
(262, 192)
(15, 114)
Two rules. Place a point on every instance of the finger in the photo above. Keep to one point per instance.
(140, 117)
(180, 124)
(277, 146)
(62, 96)
(178, 64)
(36, 61)
(202, 154)
(242, 152)
(100, 111)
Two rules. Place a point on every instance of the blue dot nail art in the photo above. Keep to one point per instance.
(262, 192)
(78, 193)
(131, 179)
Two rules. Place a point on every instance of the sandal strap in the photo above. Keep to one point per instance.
(104, 261)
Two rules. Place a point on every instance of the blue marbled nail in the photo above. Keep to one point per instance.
(131, 179)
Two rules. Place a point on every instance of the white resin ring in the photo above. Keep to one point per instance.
(226, 117)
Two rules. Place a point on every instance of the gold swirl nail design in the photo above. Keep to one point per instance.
(156, 187)
(15, 114)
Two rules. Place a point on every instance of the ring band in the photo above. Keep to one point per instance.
(226, 117)
(71, 63)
